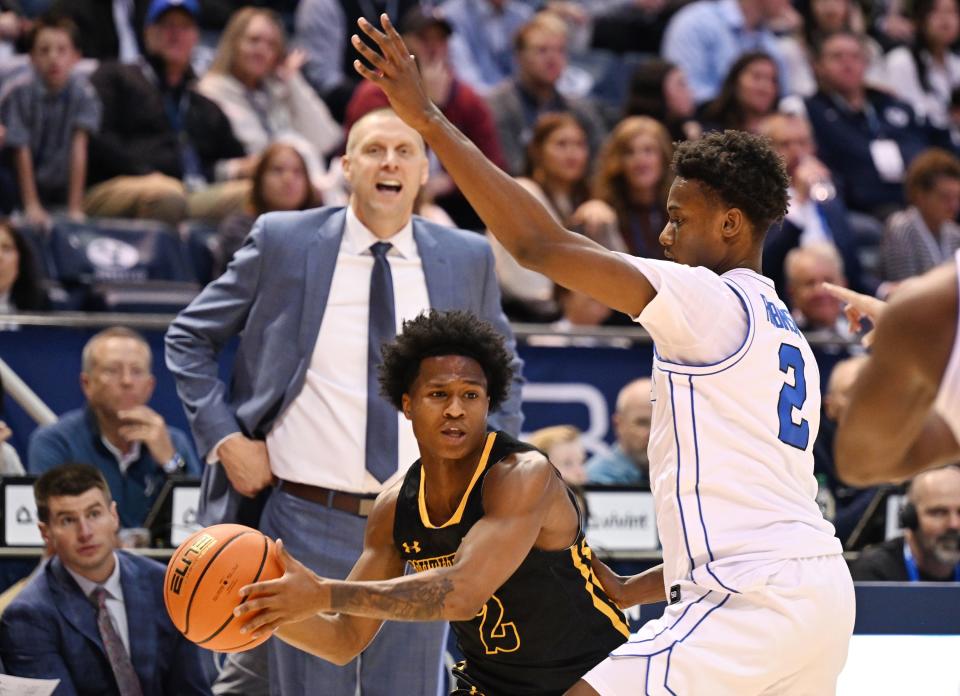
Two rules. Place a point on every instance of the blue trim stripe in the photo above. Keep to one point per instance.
(677, 641)
(676, 438)
(754, 275)
(723, 365)
(666, 674)
(670, 651)
(646, 680)
(703, 524)
(667, 628)
(696, 453)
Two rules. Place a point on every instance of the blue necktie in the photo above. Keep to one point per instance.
(381, 440)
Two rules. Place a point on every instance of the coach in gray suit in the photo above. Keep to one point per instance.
(306, 295)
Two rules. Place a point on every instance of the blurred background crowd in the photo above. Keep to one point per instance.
(140, 141)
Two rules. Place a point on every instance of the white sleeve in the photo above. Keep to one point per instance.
(696, 318)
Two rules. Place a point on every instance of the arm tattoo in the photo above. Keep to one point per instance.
(412, 599)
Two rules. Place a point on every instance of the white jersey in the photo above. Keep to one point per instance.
(948, 396)
(736, 393)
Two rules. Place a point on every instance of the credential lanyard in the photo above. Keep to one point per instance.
(913, 573)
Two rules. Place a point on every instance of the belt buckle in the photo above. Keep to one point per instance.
(366, 507)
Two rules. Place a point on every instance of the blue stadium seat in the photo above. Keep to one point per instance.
(122, 265)
(105, 250)
(202, 243)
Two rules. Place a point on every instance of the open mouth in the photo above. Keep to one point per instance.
(389, 186)
(454, 433)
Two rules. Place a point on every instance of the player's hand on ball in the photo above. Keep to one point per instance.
(293, 597)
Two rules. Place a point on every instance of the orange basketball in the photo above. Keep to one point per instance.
(203, 580)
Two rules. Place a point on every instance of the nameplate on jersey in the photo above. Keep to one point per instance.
(674, 594)
(621, 519)
(779, 316)
(20, 512)
(421, 564)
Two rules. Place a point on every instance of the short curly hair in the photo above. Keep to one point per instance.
(437, 333)
(742, 170)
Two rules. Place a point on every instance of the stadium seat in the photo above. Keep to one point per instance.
(122, 265)
(201, 242)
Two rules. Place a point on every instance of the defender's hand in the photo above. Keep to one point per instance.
(395, 71)
(295, 596)
(858, 307)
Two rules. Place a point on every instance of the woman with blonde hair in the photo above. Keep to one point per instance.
(261, 90)
(633, 178)
(562, 445)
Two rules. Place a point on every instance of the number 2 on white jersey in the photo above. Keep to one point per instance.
(792, 397)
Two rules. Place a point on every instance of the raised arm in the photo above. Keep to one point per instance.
(890, 431)
(518, 497)
(524, 227)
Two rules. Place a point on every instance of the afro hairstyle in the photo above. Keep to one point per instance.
(433, 334)
(742, 170)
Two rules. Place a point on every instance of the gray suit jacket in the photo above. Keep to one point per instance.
(273, 296)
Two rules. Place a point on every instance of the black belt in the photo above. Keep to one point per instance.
(355, 503)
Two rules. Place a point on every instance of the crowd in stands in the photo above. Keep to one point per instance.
(167, 111)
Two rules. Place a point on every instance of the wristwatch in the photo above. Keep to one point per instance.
(175, 465)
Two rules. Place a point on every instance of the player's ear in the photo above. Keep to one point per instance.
(405, 402)
(733, 223)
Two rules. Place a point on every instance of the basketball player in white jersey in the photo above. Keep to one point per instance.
(904, 414)
(760, 599)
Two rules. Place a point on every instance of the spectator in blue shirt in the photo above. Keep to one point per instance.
(481, 48)
(866, 138)
(117, 431)
(627, 464)
(706, 37)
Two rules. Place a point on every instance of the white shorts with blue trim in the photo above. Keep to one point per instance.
(787, 637)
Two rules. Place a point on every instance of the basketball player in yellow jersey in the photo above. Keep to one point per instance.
(494, 535)
(904, 413)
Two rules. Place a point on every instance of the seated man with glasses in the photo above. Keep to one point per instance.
(117, 431)
(93, 616)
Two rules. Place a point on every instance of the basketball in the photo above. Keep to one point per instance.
(203, 580)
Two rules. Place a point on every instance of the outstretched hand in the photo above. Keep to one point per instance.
(270, 604)
(395, 71)
(858, 307)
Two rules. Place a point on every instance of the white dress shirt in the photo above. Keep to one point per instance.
(114, 601)
(807, 217)
(320, 439)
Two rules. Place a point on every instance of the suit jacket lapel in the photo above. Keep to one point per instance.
(441, 288)
(76, 608)
(321, 259)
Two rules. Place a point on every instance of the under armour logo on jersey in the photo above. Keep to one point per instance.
(411, 548)
(674, 594)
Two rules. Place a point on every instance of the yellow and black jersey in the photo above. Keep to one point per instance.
(545, 627)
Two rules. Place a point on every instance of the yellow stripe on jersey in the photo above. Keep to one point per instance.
(582, 563)
(458, 513)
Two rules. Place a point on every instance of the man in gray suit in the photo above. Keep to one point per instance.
(308, 295)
